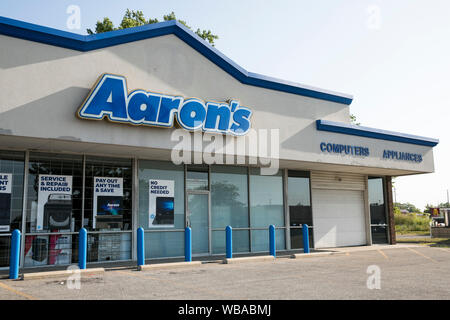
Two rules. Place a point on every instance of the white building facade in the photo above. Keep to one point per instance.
(152, 127)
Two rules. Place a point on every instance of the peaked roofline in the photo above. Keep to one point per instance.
(74, 41)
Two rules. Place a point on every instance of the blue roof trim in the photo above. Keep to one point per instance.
(345, 128)
(59, 38)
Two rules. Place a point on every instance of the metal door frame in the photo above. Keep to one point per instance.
(206, 193)
(199, 192)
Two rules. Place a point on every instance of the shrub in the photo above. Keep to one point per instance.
(410, 222)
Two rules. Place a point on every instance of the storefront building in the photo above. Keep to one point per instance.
(90, 136)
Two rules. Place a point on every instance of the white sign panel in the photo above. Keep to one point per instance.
(161, 203)
(108, 197)
(54, 209)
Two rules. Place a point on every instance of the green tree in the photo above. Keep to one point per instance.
(136, 18)
(407, 206)
(353, 120)
(102, 26)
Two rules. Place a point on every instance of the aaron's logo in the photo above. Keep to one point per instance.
(110, 98)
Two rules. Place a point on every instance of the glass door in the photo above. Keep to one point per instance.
(198, 219)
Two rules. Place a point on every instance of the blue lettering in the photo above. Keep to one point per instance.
(241, 119)
(143, 107)
(400, 155)
(109, 99)
(217, 118)
(347, 149)
(169, 105)
(192, 114)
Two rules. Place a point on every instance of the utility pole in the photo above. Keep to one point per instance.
(395, 194)
(447, 199)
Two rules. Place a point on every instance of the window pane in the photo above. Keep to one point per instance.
(197, 178)
(240, 241)
(379, 235)
(297, 238)
(229, 197)
(58, 212)
(260, 240)
(109, 247)
(376, 201)
(5, 244)
(266, 199)
(11, 192)
(99, 167)
(299, 200)
(161, 170)
(164, 244)
(41, 250)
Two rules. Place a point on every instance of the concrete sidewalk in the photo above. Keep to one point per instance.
(404, 273)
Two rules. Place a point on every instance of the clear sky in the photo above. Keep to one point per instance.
(392, 56)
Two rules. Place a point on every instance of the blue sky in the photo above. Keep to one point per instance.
(392, 56)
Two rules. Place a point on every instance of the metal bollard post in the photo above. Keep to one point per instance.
(229, 241)
(15, 254)
(272, 245)
(188, 245)
(305, 238)
(82, 248)
(140, 247)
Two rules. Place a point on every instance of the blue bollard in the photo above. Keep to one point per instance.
(82, 248)
(140, 247)
(188, 245)
(305, 238)
(229, 241)
(15, 254)
(272, 245)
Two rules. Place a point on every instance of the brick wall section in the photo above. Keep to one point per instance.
(390, 209)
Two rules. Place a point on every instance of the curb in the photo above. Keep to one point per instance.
(168, 265)
(314, 254)
(248, 259)
(61, 273)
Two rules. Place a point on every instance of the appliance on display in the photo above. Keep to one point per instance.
(109, 222)
(164, 210)
(58, 211)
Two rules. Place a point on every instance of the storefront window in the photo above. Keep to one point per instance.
(54, 192)
(266, 208)
(161, 207)
(197, 178)
(229, 206)
(378, 219)
(53, 206)
(11, 192)
(108, 207)
(299, 202)
(108, 194)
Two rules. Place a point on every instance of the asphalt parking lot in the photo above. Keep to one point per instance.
(405, 273)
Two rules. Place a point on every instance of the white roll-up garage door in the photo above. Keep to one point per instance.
(338, 209)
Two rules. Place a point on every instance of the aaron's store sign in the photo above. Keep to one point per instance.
(60, 172)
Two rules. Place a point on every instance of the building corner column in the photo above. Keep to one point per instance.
(390, 210)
